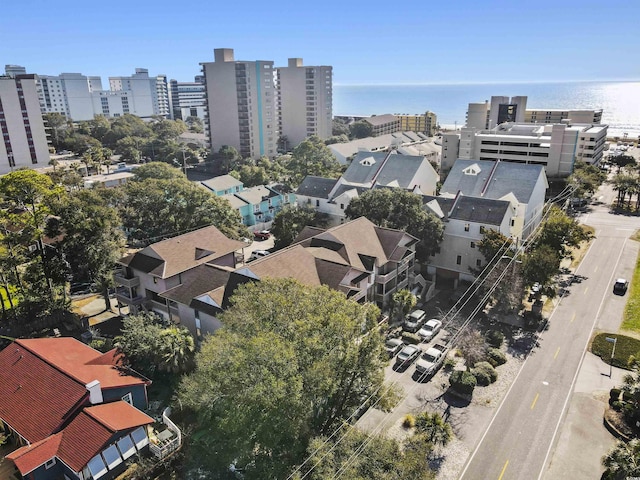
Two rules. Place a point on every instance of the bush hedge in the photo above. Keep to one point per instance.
(625, 347)
(409, 421)
(463, 382)
(485, 373)
(496, 357)
(495, 338)
(614, 395)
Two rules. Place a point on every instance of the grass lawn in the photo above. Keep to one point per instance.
(631, 319)
(625, 347)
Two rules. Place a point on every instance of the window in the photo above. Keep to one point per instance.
(128, 398)
(513, 222)
(155, 279)
(342, 206)
(317, 203)
(478, 263)
(458, 259)
(473, 244)
(50, 463)
(482, 230)
(466, 227)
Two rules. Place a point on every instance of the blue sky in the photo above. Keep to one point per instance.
(367, 42)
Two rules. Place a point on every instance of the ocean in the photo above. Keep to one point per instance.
(619, 101)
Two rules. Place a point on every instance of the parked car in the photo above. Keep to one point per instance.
(393, 346)
(262, 235)
(620, 287)
(407, 356)
(430, 361)
(430, 330)
(414, 321)
(258, 254)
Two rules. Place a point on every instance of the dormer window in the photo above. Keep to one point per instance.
(367, 162)
(472, 170)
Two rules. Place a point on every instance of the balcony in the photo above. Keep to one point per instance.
(164, 443)
(124, 295)
(123, 280)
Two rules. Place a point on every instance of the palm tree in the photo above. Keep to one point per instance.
(176, 349)
(436, 430)
(623, 461)
(402, 302)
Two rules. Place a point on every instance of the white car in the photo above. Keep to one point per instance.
(258, 254)
(430, 330)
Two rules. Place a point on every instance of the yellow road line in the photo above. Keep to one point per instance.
(573, 318)
(586, 290)
(534, 401)
(503, 470)
(557, 351)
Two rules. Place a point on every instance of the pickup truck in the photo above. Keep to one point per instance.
(431, 360)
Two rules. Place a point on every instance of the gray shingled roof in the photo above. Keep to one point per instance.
(517, 178)
(400, 168)
(317, 187)
(479, 210)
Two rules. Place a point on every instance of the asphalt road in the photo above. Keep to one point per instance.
(520, 437)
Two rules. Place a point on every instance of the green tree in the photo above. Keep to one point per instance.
(139, 342)
(195, 124)
(157, 171)
(93, 240)
(251, 175)
(561, 233)
(360, 129)
(402, 210)
(540, 265)
(312, 157)
(473, 347)
(338, 127)
(225, 159)
(290, 221)
(176, 349)
(336, 139)
(291, 362)
(435, 429)
(493, 243)
(622, 461)
(402, 302)
(59, 126)
(586, 178)
(156, 208)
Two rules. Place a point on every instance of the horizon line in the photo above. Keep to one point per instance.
(514, 82)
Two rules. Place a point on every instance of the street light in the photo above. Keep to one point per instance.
(613, 351)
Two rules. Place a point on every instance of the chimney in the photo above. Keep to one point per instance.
(95, 392)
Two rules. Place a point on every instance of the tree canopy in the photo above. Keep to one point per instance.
(402, 210)
(290, 362)
(312, 157)
(290, 221)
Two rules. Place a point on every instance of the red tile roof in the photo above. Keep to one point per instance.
(86, 436)
(81, 362)
(35, 397)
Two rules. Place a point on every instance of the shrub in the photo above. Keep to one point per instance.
(614, 395)
(409, 421)
(616, 405)
(495, 338)
(496, 357)
(449, 363)
(463, 382)
(485, 373)
(410, 338)
(626, 396)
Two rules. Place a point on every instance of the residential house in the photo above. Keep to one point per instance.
(344, 152)
(365, 262)
(465, 221)
(73, 412)
(146, 274)
(524, 185)
(111, 180)
(368, 170)
(256, 205)
(383, 124)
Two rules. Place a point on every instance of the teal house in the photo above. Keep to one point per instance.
(257, 205)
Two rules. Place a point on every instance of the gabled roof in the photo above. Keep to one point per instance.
(376, 120)
(370, 168)
(489, 179)
(81, 362)
(85, 436)
(223, 182)
(49, 393)
(197, 281)
(479, 210)
(178, 254)
(257, 194)
(317, 187)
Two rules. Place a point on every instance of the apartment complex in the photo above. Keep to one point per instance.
(241, 104)
(24, 140)
(555, 146)
(424, 123)
(503, 109)
(80, 97)
(188, 99)
(305, 98)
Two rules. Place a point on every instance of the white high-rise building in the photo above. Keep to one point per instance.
(241, 104)
(147, 96)
(188, 99)
(504, 109)
(555, 146)
(305, 95)
(24, 140)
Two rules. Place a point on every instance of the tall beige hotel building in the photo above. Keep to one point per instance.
(250, 104)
